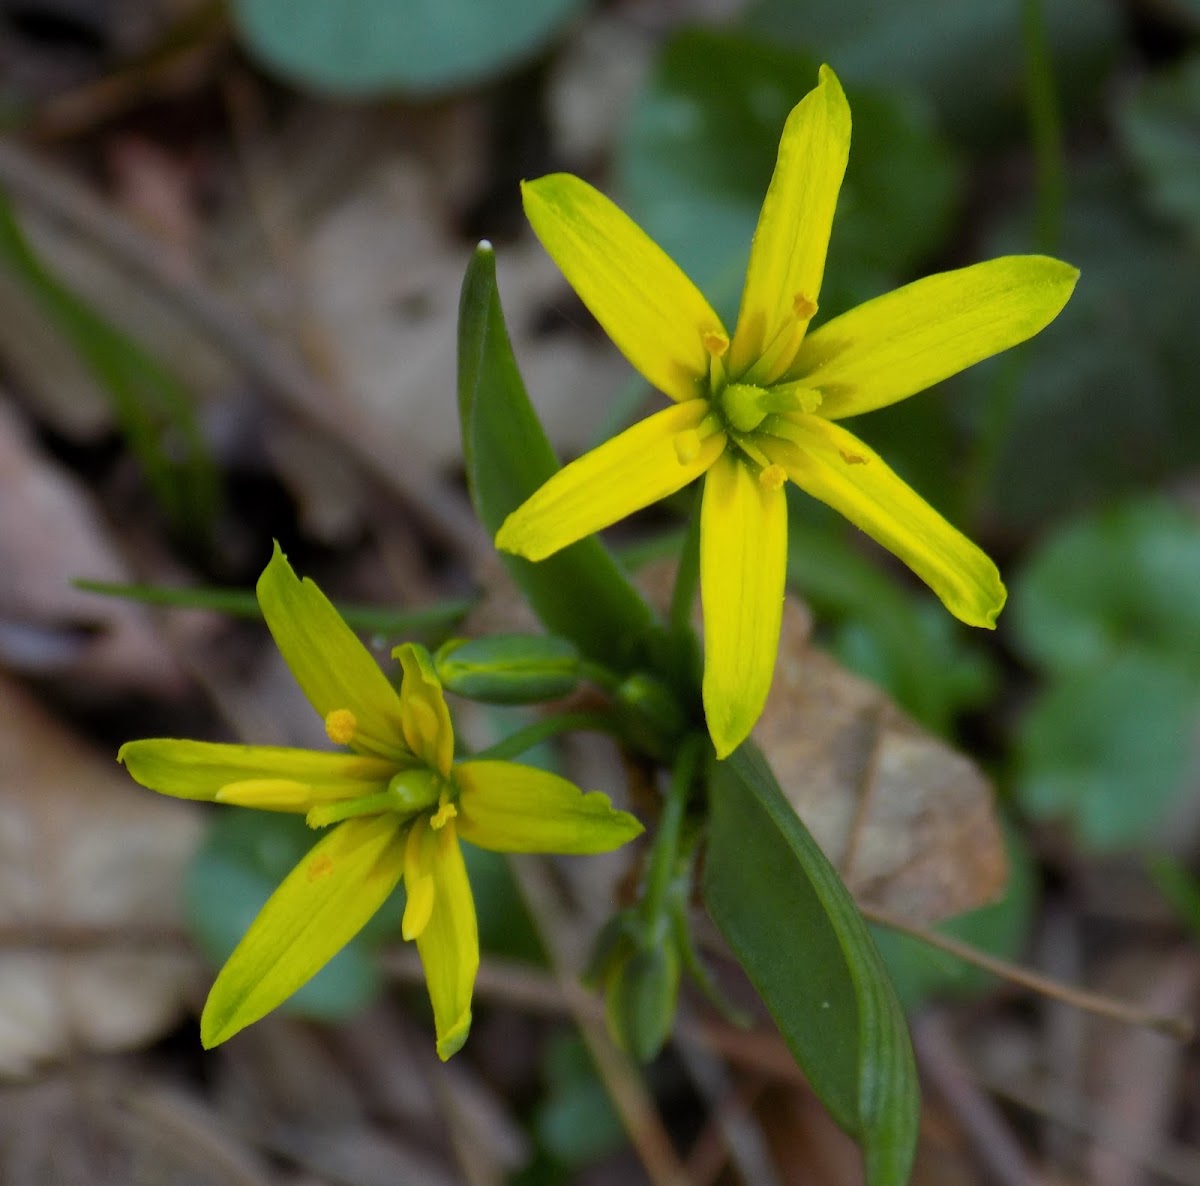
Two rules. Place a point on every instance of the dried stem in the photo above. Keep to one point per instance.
(1173, 1025)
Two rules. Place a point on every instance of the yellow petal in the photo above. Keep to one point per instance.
(836, 467)
(650, 309)
(423, 712)
(206, 770)
(511, 808)
(909, 339)
(787, 258)
(743, 557)
(634, 469)
(320, 906)
(333, 668)
(449, 941)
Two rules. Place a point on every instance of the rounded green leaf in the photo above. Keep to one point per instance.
(369, 47)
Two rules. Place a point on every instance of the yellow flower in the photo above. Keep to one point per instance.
(400, 804)
(753, 411)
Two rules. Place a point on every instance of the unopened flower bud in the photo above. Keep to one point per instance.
(509, 668)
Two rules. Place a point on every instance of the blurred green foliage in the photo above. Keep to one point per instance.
(1108, 609)
(363, 48)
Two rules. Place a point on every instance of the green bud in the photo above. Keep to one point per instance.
(508, 668)
(650, 714)
(640, 998)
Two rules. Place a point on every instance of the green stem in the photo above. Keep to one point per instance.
(603, 677)
(1045, 125)
(551, 726)
(664, 856)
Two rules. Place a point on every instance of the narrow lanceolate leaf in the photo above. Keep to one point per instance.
(794, 927)
(580, 593)
(320, 906)
(199, 769)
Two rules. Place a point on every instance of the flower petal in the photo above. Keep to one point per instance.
(448, 941)
(201, 769)
(787, 258)
(634, 469)
(320, 906)
(836, 467)
(423, 712)
(654, 314)
(511, 808)
(743, 558)
(909, 339)
(334, 669)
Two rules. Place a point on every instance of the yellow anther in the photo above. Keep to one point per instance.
(772, 477)
(445, 813)
(715, 342)
(687, 446)
(804, 306)
(341, 725)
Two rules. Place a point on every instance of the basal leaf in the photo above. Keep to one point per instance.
(794, 927)
(580, 593)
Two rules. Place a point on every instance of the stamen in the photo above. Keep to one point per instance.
(687, 446)
(804, 306)
(341, 725)
(795, 397)
(852, 458)
(445, 813)
(715, 342)
(773, 477)
(267, 794)
(331, 813)
(418, 908)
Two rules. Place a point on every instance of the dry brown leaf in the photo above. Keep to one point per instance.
(89, 867)
(49, 534)
(909, 822)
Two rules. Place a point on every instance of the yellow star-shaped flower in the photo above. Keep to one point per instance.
(400, 803)
(756, 410)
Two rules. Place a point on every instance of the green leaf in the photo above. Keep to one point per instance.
(700, 148)
(1110, 748)
(969, 58)
(1159, 126)
(580, 593)
(794, 927)
(427, 620)
(247, 854)
(359, 48)
(1125, 579)
(153, 408)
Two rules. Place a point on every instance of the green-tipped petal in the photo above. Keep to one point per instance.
(448, 940)
(512, 808)
(423, 712)
(839, 469)
(787, 258)
(909, 339)
(320, 906)
(334, 669)
(654, 458)
(202, 769)
(654, 314)
(743, 558)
